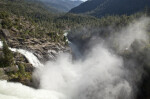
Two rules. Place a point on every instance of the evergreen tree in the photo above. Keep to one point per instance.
(8, 55)
(21, 69)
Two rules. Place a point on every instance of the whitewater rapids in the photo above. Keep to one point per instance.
(18, 91)
(101, 74)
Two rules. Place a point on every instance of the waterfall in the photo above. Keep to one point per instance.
(102, 74)
(30, 57)
(65, 34)
(1, 44)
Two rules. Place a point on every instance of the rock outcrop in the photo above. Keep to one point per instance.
(21, 33)
(43, 48)
(20, 71)
(5, 33)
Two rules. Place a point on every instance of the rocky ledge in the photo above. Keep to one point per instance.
(21, 33)
(20, 71)
(43, 48)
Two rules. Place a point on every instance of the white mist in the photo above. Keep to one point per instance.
(101, 75)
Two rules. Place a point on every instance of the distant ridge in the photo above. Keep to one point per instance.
(62, 5)
(101, 8)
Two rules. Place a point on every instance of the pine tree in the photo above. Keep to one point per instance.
(21, 69)
(8, 55)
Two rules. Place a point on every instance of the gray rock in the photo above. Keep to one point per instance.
(5, 33)
(20, 57)
(11, 69)
(21, 40)
(29, 67)
(14, 29)
(3, 76)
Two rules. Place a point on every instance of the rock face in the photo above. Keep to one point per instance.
(21, 36)
(43, 48)
(20, 71)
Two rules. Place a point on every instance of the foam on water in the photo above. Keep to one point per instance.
(18, 91)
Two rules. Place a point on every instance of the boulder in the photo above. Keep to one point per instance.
(3, 76)
(29, 67)
(21, 40)
(14, 29)
(5, 33)
(11, 69)
(20, 57)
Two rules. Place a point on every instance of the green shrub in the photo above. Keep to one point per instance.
(8, 55)
(3, 15)
(6, 23)
(21, 69)
(1, 61)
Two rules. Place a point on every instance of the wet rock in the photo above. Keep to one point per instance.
(42, 48)
(29, 67)
(3, 76)
(20, 58)
(53, 52)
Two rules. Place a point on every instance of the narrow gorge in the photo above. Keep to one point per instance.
(97, 72)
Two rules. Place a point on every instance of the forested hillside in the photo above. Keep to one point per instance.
(34, 11)
(101, 8)
(39, 27)
(61, 5)
(47, 21)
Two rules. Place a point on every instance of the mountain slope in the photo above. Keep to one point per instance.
(62, 5)
(101, 8)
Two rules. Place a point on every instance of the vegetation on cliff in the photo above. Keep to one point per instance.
(30, 23)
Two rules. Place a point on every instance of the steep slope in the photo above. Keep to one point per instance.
(23, 28)
(101, 8)
(62, 5)
(32, 10)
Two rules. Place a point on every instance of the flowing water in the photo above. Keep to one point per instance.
(101, 74)
(30, 57)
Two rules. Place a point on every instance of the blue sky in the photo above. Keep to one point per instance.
(83, 0)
